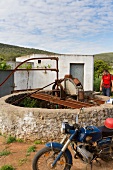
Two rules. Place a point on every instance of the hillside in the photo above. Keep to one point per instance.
(10, 52)
(108, 57)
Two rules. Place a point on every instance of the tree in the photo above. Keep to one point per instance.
(4, 65)
(99, 66)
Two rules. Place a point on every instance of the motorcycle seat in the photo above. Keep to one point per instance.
(105, 131)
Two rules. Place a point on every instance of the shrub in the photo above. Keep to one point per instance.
(97, 84)
(4, 66)
(5, 153)
(28, 102)
(11, 139)
(7, 167)
(38, 142)
(20, 140)
(26, 66)
(31, 149)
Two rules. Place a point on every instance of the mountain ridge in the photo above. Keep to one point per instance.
(11, 52)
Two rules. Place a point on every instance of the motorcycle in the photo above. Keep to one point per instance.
(88, 143)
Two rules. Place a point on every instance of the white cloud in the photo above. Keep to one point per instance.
(64, 26)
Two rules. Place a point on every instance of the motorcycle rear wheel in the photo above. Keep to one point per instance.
(107, 156)
(46, 156)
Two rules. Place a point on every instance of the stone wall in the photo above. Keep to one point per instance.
(45, 124)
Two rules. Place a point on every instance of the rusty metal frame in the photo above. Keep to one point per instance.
(67, 102)
(41, 58)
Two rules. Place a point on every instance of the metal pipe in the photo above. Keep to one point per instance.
(39, 69)
(57, 68)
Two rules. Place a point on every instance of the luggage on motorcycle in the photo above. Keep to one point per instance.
(105, 131)
(109, 123)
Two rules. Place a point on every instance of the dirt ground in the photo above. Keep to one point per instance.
(20, 160)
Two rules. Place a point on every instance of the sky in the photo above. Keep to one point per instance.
(61, 26)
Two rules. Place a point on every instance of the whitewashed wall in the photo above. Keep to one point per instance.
(39, 79)
(87, 60)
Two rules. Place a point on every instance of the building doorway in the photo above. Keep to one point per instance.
(77, 71)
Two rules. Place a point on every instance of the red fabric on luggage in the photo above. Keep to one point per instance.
(109, 123)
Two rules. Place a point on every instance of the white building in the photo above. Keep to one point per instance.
(79, 66)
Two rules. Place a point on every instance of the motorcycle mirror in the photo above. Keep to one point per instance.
(77, 116)
(76, 119)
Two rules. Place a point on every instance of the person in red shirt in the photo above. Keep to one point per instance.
(106, 85)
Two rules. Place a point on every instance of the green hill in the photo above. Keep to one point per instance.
(108, 57)
(10, 52)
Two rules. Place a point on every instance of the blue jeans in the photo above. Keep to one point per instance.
(106, 91)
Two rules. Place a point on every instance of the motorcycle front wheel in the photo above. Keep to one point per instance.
(46, 156)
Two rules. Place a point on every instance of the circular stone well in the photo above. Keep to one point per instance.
(44, 124)
(24, 100)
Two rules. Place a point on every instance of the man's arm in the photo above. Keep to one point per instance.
(101, 83)
(112, 83)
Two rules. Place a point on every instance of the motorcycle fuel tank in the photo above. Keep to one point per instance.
(89, 133)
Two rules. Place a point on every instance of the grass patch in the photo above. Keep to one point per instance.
(5, 153)
(29, 102)
(7, 167)
(31, 149)
(20, 140)
(38, 142)
(22, 161)
(10, 139)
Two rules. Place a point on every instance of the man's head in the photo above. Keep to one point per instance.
(105, 72)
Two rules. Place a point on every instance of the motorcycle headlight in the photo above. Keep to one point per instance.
(63, 128)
